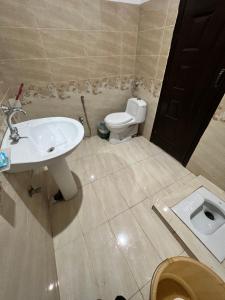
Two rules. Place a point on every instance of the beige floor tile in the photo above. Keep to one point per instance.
(91, 213)
(120, 256)
(137, 296)
(97, 166)
(158, 171)
(149, 148)
(174, 188)
(139, 252)
(39, 252)
(145, 291)
(91, 146)
(75, 273)
(112, 272)
(78, 170)
(145, 180)
(113, 161)
(128, 186)
(173, 166)
(130, 152)
(110, 196)
(160, 237)
(65, 221)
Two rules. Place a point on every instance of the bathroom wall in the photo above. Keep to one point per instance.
(64, 49)
(4, 91)
(208, 157)
(156, 25)
(27, 259)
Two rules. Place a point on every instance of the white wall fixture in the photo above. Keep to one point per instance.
(204, 214)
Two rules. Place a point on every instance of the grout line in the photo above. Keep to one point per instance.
(161, 45)
(64, 57)
(65, 29)
(123, 255)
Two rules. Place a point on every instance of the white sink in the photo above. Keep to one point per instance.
(45, 142)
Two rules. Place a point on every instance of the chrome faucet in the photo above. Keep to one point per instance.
(10, 112)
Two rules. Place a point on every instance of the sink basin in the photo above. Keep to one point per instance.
(46, 142)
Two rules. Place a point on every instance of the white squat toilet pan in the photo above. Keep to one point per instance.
(124, 125)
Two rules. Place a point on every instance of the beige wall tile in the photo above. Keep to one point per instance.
(63, 43)
(172, 12)
(161, 67)
(68, 69)
(103, 66)
(20, 43)
(129, 17)
(146, 66)
(149, 42)
(166, 42)
(128, 65)
(103, 43)
(129, 43)
(110, 16)
(16, 14)
(119, 16)
(17, 71)
(58, 13)
(4, 90)
(153, 14)
(92, 14)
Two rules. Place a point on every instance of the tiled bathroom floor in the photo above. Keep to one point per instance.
(108, 241)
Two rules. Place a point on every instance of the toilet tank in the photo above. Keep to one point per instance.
(137, 108)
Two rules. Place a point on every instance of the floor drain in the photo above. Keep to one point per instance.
(51, 149)
(209, 215)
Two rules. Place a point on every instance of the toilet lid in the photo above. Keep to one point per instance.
(118, 118)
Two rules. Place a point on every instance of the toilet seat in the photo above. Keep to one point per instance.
(120, 118)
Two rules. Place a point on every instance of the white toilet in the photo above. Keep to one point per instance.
(124, 125)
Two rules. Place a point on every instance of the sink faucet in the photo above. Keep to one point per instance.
(9, 112)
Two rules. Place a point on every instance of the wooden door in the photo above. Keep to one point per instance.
(194, 81)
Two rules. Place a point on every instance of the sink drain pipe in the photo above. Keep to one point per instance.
(85, 114)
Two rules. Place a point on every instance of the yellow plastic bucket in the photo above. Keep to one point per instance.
(183, 278)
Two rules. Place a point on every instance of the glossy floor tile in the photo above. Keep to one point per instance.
(164, 242)
(108, 241)
(136, 247)
(113, 274)
(75, 273)
(27, 261)
(109, 196)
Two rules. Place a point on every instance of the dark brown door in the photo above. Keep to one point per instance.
(194, 81)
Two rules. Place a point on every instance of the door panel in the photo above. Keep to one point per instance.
(194, 80)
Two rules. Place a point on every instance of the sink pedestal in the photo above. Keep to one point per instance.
(63, 178)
